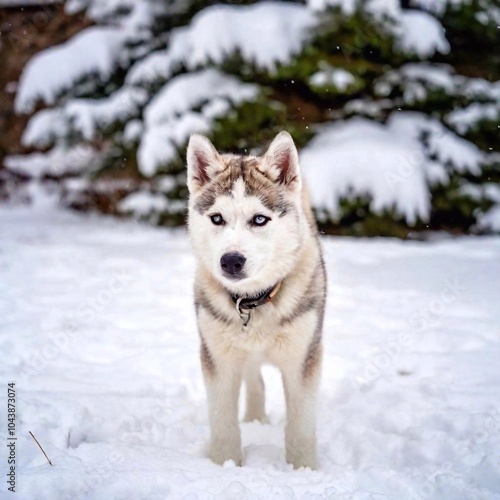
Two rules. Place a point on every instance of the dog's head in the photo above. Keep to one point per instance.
(245, 215)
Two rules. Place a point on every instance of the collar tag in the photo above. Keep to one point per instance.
(246, 306)
(245, 315)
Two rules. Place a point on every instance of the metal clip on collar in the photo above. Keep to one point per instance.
(245, 315)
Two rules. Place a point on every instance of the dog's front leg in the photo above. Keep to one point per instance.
(301, 386)
(223, 381)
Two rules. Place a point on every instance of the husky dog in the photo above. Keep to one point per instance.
(259, 290)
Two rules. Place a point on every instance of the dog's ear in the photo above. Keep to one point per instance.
(281, 162)
(203, 162)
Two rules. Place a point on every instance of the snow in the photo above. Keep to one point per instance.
(439, 6)
(160, 144)
(377, 8)
(169, 120)
(487, 190)
(191, 90)
(142, 203)
(490, 15)
(436, 6)
(362, 158)
(463, 155)
(44, 128)
(479, 88)
(383, 9)
(388, 163)
(98, 10)
(418, 79)
(99, 327)
(490, 221)
(338, 77)
(417, 32)
(466, 118)
(49, 73)
(422, 34)
(265, 33)
(168, 117)
(85, 116)
(131, 15)
(133, 131)
(88, 115)
(347, 7)
(57, 162)
(440, 76)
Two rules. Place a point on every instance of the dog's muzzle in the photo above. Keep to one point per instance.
(232, 265)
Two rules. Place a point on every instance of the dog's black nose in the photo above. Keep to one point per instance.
(232, 263)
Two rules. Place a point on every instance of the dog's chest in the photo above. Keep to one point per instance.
(264, 334)
(260, 334)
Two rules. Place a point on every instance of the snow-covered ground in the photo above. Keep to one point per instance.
(98, 333)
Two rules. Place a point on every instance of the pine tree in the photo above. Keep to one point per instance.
(396, 107)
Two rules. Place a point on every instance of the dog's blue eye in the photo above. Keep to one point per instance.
(260, 220)
(217, 219)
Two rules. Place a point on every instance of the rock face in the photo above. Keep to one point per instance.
(26, 27)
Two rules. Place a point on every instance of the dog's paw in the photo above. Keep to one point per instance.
(219, 452)
(302, 461)
(260, 418)
(303, 455)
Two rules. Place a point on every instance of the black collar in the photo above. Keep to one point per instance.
(257, 300)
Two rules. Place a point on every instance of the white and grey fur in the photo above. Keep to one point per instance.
(285, 332)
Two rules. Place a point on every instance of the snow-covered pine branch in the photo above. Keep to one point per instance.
(385, 123)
